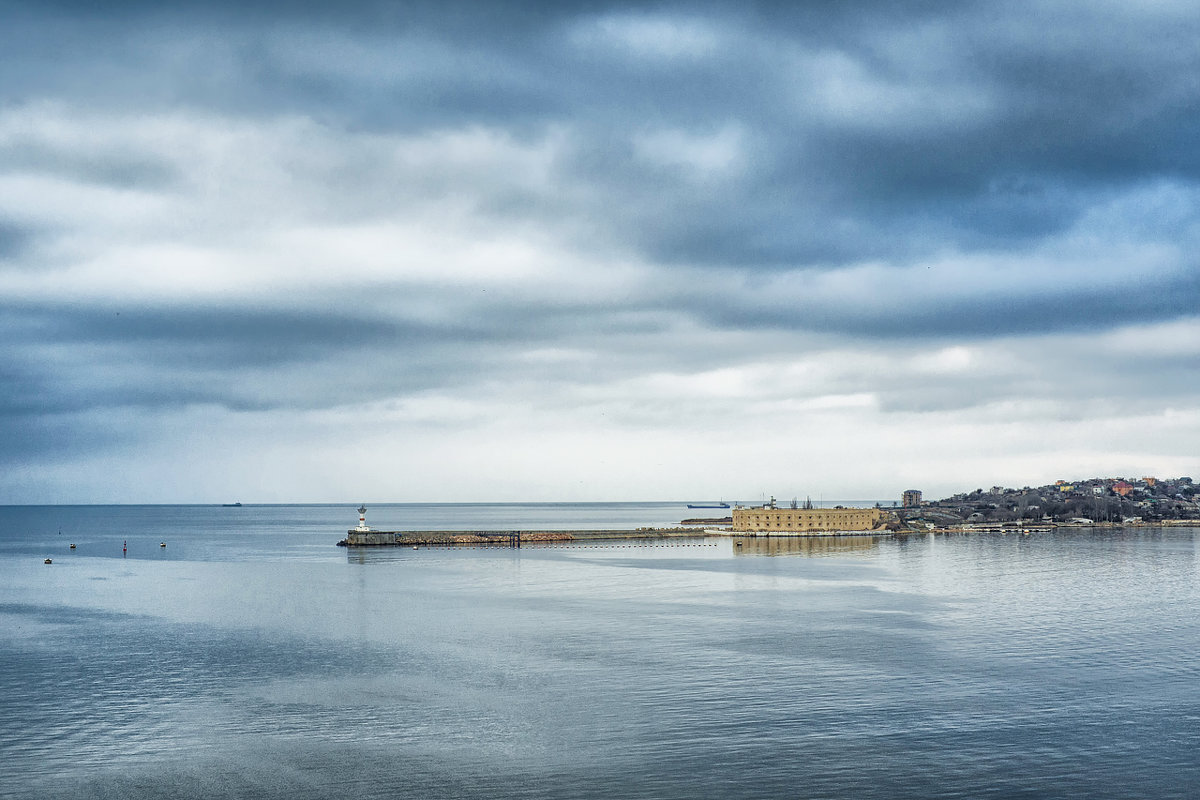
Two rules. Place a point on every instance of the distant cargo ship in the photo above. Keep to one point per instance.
(231, 505)
(721, 504)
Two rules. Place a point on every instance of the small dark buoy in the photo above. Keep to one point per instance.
(48, 561)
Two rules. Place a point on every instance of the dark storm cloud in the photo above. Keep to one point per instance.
(871, 131)
(786, 169)
(262, 336)
(157, 357)
(1031, 306)
(46, 437)
(13, 239)
(1060, 105)
(120, 170)
(233, 337)
(62, 358)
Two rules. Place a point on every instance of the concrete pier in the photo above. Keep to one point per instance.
(372, 538)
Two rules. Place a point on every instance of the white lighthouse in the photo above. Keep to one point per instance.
(362, 519)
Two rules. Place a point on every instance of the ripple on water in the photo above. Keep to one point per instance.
(980, 667)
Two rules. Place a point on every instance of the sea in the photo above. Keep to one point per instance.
(214, 652)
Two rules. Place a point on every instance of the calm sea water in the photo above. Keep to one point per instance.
(251, 657)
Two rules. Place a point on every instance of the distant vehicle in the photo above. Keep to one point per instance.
(231, 505)
(721, 504)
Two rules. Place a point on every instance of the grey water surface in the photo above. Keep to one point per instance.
(250, 657)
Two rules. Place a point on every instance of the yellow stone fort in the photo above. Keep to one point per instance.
(776, 521)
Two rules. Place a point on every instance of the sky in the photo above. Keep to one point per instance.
(451, 252)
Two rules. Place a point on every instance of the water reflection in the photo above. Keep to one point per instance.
(624, 547)
(812, 546)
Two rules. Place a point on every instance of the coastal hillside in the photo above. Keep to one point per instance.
(1094, 499)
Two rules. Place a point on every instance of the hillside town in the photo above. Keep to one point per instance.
(1123, 501)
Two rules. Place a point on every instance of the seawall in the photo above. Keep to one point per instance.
(400, 538)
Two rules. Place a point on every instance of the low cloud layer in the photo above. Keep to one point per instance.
(606, 252)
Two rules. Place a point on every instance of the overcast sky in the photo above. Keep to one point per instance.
(454, 252)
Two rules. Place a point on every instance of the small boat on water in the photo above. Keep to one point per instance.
(231, 505)
(48, 561)
(721, 504)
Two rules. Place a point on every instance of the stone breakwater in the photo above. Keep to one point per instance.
(401, 538)
(708, 522)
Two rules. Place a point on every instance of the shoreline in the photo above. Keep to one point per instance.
(517, 537)
(1044, 527)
